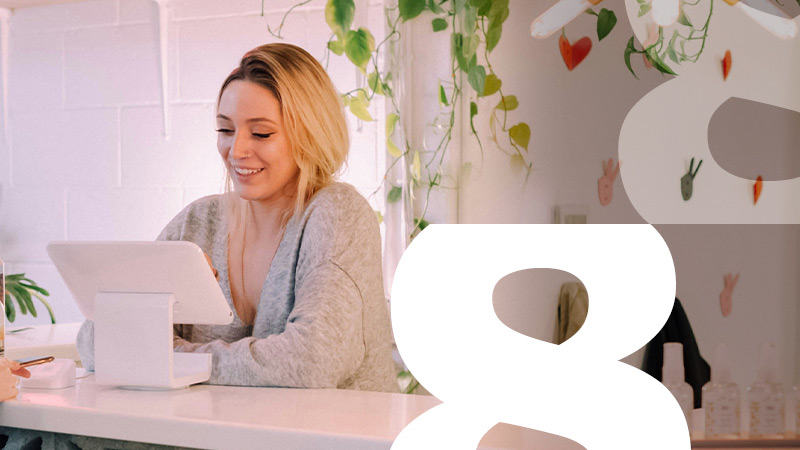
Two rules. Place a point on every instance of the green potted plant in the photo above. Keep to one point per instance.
(22, 289)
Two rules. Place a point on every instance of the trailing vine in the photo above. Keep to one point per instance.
(473, 25)
(686, 43)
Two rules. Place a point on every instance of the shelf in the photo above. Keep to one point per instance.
(15, 4)
(754, 444)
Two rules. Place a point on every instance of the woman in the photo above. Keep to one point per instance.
(297, 254)
(9, 371)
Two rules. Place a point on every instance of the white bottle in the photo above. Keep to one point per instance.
(765, 398)
(674, 378)
(721, 399)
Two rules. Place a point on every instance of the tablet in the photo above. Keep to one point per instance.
(165, 267)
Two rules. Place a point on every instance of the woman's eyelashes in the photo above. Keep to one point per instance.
(258, 135)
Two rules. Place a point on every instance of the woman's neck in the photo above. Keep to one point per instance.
(268, 217)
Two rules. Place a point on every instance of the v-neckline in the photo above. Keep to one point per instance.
(226, 239)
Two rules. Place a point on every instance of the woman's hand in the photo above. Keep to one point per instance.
(9, 370)
(208, 258)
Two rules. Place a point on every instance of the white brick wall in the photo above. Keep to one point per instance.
(88, 159)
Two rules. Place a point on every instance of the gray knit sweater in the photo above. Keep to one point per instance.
(322, 321)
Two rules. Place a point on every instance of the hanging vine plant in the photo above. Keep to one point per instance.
(475, 28)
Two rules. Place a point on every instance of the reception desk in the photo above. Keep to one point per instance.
(222, 417)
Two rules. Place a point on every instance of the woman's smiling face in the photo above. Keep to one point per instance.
(253, 143)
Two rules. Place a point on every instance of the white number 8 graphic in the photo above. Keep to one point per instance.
(444, 322)
(669, 126)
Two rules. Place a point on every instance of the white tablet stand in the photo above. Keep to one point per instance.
(135, 292)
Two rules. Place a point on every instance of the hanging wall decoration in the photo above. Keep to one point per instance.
(726, 65)
(759, 184)
(687, 181)
(605, 185)
(574, 54)
(726, 296)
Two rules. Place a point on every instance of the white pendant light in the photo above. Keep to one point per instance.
(775, 21)
(558, 16)
(665, 12)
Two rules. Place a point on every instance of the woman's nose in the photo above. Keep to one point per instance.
(239, 147)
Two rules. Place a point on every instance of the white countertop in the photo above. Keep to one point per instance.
(225, 417)
(42, 340)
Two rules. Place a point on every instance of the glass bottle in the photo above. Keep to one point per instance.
(674, 378)
(721, 399)
(765, 397)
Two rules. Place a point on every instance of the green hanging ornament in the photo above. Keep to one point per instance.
(687, 181)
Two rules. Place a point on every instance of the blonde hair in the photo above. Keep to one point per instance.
(313, 117)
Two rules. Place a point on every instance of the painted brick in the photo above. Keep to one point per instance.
(138, 11)
(65, 148)
(65, 16)
(5, 165)
(116, 214)
(112, 66)
(189, 9)
(210, 49)
(30, 219)
(277, 6)
(35, 71)
(64, 307)
(188, 159)
(361, 167)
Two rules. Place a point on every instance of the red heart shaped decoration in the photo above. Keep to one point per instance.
(574, 54)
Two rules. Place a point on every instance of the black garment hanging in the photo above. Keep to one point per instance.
(678, 329)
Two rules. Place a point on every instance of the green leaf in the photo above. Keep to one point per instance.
(644, 8)
(434, 7)
(394, 194)
(392, 148)
(410, 8)
(683, 19)
(391, 121)
(473, 111)
(359, 46)
(35, 287)
(629, 50)
(492, 85)
(606, 21)
(18, 294)
(508, 103)
(420, 223)
(374, 82)
(416, 166)
(477, 78)
(443, 96)
(658, 63)
(672, 55)
(439, 24)
(521, 134)
(498, 13)
(379, 216)
(336, 47)
(11, 312)
(482, 6)
(339, 15)
(359, 105)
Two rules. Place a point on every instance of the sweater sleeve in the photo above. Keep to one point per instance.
(322, 345)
